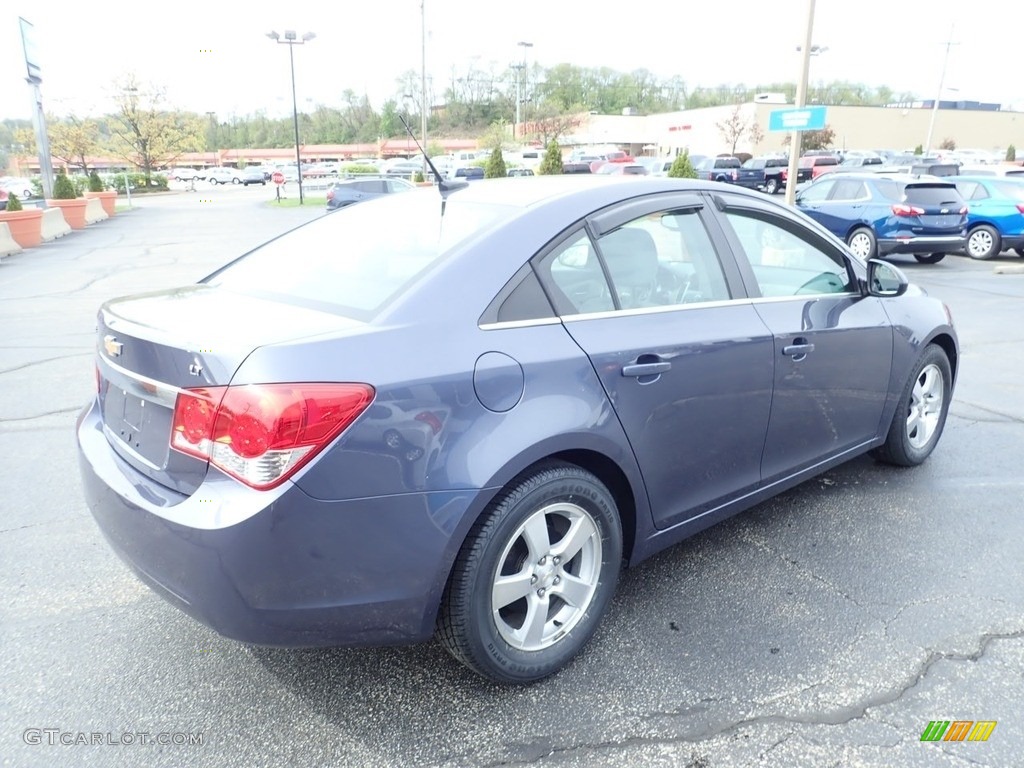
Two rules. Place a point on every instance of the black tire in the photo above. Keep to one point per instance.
(921, 412)
(564, 497)
(771, 186)
(931, 258)
(236, 181)
(983, 242)
(1019, 251)
(863, 243)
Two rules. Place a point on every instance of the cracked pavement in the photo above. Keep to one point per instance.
(824, 628)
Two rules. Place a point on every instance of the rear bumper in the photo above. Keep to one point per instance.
(936, 244)
(277, 568)
(1012, 241)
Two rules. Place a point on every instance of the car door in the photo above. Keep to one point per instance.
(833, 345)
(683, 357)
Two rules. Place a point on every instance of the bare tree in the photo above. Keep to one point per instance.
(736, 126)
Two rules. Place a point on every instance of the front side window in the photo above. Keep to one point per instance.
(817, 192)
(786, 261)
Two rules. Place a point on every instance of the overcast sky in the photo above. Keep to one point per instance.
(214, 56)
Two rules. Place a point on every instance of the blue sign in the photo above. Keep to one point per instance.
(803, 119)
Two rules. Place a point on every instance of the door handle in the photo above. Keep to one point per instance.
(798, 350)
(646, 369)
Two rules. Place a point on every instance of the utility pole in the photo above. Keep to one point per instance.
(801, 98)
(938, 96)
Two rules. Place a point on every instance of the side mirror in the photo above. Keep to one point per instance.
(885, 280)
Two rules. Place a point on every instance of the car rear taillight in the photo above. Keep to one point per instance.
(330, 194)
(902, 209)
(430, 419)
(261, 434)
(735, 175)
(784, 174)
(1020, 207)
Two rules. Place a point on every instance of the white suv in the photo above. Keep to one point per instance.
(224, 176)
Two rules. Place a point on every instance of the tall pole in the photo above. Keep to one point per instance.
(801, 99)
(938, 96)
(291, 40)
(295, 121)
(423, 84)
(519, 100)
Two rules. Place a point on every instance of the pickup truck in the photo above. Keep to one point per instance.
(730, 170)
(776, 172)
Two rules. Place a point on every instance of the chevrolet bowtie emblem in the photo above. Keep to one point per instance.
(112, 346)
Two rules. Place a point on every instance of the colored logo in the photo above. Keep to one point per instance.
(958, 730)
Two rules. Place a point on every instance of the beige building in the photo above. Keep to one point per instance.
(901, 128)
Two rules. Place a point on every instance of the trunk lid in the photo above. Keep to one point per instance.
(151, 346)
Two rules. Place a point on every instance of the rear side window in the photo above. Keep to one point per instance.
(727, 162)
(1012, 189)
(933, 195)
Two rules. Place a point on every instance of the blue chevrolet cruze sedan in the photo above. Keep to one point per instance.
(880, 214)
(461, 414)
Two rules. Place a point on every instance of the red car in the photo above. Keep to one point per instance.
(819, 164)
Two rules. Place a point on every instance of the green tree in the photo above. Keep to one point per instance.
(919, 149)
(13, 203)
(736, 126)
(63, 188)
(148, 133)
(948, 143)
(495, 165)
(682, 168)
(73, 140)
(551, 165)
(820, 139)
(1011, 153)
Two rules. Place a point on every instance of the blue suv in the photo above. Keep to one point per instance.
(995, 221)
(880, 215)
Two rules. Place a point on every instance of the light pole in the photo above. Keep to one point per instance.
(291, 40)
(938, 96)
(519, 68)
(801, 98)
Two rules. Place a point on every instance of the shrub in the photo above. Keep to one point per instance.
(13, 203)
(495, 168)
(919, 149)
(1011, 153)
(63, 188)
(80, 183)
(682, 168)
(37, 186)
(948, 144)
(95, 182)
(418, 177)
(551, 165)
(358, 168)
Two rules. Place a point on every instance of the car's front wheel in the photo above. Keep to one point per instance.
(983, 242)
(930, 258)
(921, 411)
(534, 577)
(1019, 251)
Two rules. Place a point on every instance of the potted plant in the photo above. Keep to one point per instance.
(26, 225)
(97, 189)
(64, 197)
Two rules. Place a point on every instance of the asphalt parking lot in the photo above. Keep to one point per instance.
(826, 627)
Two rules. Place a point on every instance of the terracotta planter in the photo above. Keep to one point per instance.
(26, 226)
(73, 210)
(108, 199)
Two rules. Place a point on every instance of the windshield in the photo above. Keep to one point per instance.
(355, 260)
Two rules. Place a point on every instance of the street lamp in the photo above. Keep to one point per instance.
(291, 40)
(519, 68)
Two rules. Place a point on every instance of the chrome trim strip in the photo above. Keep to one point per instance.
(166, 394)
(803, 297)
(653, 310)
(500, 326)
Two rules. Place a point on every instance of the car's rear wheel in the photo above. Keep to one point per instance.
(1019, 251)
(921, 411)
(862, 242)
(771, 186)
(236, 181)
(983, 242)
(534, 577)
(931, 258)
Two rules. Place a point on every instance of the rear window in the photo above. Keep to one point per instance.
(932, 195)
(727, 162)
(355, 260)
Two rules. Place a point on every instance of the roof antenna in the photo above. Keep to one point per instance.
(444, 186)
